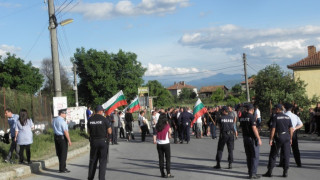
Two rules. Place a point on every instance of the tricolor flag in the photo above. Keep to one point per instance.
(198, 111)
(134, 105)
(115, 102)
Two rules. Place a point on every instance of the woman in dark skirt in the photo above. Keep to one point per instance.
(163, 145)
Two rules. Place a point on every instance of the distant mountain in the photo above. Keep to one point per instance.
(228, 80)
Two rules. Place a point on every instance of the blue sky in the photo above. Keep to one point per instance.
(170, 37)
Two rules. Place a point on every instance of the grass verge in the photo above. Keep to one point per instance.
(43, 147)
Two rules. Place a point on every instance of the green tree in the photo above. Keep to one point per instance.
(187, 93)
(218, 95)
(103, 74)
(15, 74)
(237, 90)
(232, 100)
(275, 85)
(163, 96)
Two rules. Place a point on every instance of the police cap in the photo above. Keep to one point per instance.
(278, 106)
(225, 108)
(62, 111)
(99, 108)
(250, 106)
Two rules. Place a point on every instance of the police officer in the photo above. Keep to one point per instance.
(61, 139)
(280, 137)
(99, 129)
(226, 137)
(185, 118)
(251, 141)
(296, 125)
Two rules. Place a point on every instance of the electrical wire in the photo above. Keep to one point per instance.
(70, 9)
(58, 12)
(36, 41)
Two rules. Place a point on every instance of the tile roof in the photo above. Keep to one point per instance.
(310, 61)
(250, 81)
(211, 88)
(180, 85)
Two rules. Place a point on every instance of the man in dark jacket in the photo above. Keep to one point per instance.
(185, 119)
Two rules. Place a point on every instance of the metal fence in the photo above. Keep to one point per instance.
(39, 107)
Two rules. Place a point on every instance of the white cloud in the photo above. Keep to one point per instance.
(107, 10)
(274, 43)
(159, 70)
(6, 48)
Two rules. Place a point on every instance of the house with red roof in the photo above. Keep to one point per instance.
(308, 70)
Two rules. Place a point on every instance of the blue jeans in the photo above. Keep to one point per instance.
(213, 130)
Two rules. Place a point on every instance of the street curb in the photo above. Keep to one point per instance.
(301, 136)
(37, 166)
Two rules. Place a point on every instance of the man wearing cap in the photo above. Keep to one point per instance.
(296, 125)
(226, 137)
(280, 137)
(99, 129)
(61, 139)
(114, 126)
(251, 141)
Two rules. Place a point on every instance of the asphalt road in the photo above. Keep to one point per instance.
(139, 161)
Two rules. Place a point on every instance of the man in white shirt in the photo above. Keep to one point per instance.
(257, 117)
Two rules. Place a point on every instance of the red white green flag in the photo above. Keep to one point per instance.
(115, 102)
(134, 105)
(198, 111)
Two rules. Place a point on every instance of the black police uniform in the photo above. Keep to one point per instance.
(175, 125)
(282, 124)
(250, 142)
(98, 127)
(226, 137)
(185, 118)
(129, 119)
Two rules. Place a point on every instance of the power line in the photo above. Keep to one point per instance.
(36, 41)
(70, 9)
(195, 72)
(61, 5)
(57, 13)
(252, 68)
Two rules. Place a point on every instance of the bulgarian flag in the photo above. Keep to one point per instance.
(134, 105)
(115, 102)
(198, 111)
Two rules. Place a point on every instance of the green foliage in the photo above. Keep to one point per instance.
(218, 95)
(15, 74)
(237, 90)
(275, 85)
(231, 100)
(187, 93)
(103, 74)
(163, 96)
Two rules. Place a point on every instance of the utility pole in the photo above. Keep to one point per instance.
(54, 49)
(75, 87)
(246, 76)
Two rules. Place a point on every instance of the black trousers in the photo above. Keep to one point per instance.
(13, 147)
(121, 134)
(27, 147)
(225, 139)
(144, 130)
(295, 150)
(61, 144)
(114, 135)
(251, 148)
(282, 142)
(175, 134)
(164, 151)
(185, 134)
(129, 130)
(98, 152)
(205, 129)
